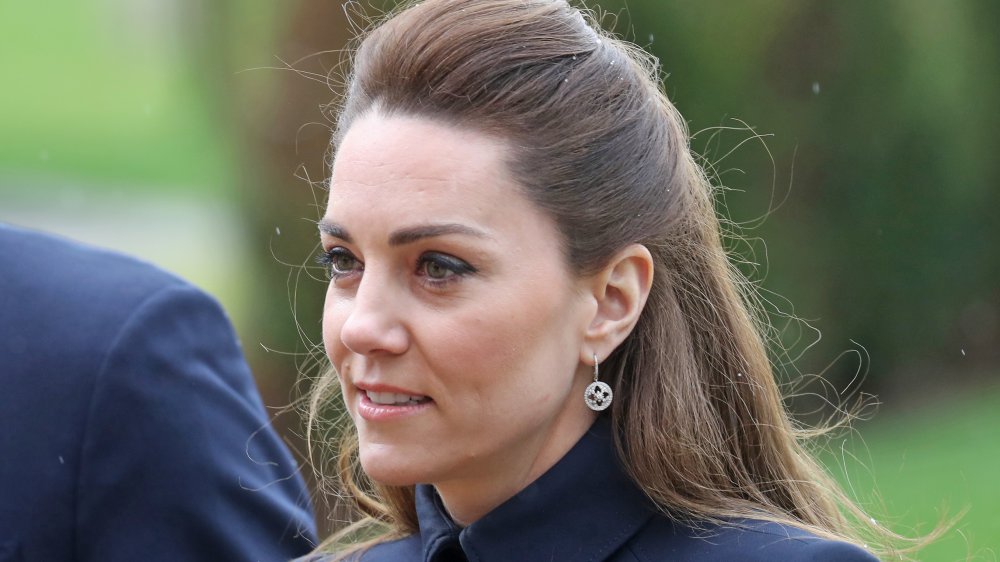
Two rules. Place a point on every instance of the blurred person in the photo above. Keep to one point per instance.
(130, 426)
(540, 342)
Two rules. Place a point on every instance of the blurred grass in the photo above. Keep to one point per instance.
(930, 461)
(110, 135)
(96, 96)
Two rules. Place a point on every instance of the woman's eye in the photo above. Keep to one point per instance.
(439, 268)
(437, 271)
(339, 262)
(343, 263)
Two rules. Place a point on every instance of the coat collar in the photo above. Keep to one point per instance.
(584, 508)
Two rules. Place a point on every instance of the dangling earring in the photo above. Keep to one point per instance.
(598, 394)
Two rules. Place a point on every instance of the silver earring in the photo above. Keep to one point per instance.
(598, 394)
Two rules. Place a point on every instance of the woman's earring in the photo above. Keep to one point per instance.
(598, 394)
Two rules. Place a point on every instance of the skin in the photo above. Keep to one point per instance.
(449, 284)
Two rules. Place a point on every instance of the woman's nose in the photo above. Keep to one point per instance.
(374, 324)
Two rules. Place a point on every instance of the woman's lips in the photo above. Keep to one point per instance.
(379, 402)
(393, 398)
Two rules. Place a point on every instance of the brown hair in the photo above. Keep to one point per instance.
(700, 423)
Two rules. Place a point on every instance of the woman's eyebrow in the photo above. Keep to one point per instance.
(414, 233)
(335, 230)
(408, 235)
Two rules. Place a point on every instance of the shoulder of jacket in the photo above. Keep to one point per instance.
(52, 263)
(73, 293)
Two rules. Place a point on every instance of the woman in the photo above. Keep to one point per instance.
(538, 337)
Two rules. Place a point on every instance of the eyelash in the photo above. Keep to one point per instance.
(458, 268)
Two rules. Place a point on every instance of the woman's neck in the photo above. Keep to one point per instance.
(470, 498)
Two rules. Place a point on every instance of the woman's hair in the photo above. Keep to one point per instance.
(699, 421)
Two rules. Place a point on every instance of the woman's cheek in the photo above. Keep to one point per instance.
(333, 321)
(327, 323)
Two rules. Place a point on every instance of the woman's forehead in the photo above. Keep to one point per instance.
(377, 149)
(411, 165)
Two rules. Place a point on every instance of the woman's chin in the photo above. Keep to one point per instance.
(397, 482)
(391, 470)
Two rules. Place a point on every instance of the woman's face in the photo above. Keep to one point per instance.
(453, 322)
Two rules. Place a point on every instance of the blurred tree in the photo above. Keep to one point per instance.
(288, 137)
(882, 111)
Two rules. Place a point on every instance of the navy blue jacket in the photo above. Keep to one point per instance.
(586, 509)
(130, 427)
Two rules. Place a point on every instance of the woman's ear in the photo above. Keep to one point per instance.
(620, 290)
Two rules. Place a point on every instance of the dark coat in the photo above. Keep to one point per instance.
(586, 509)
(130, 427)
